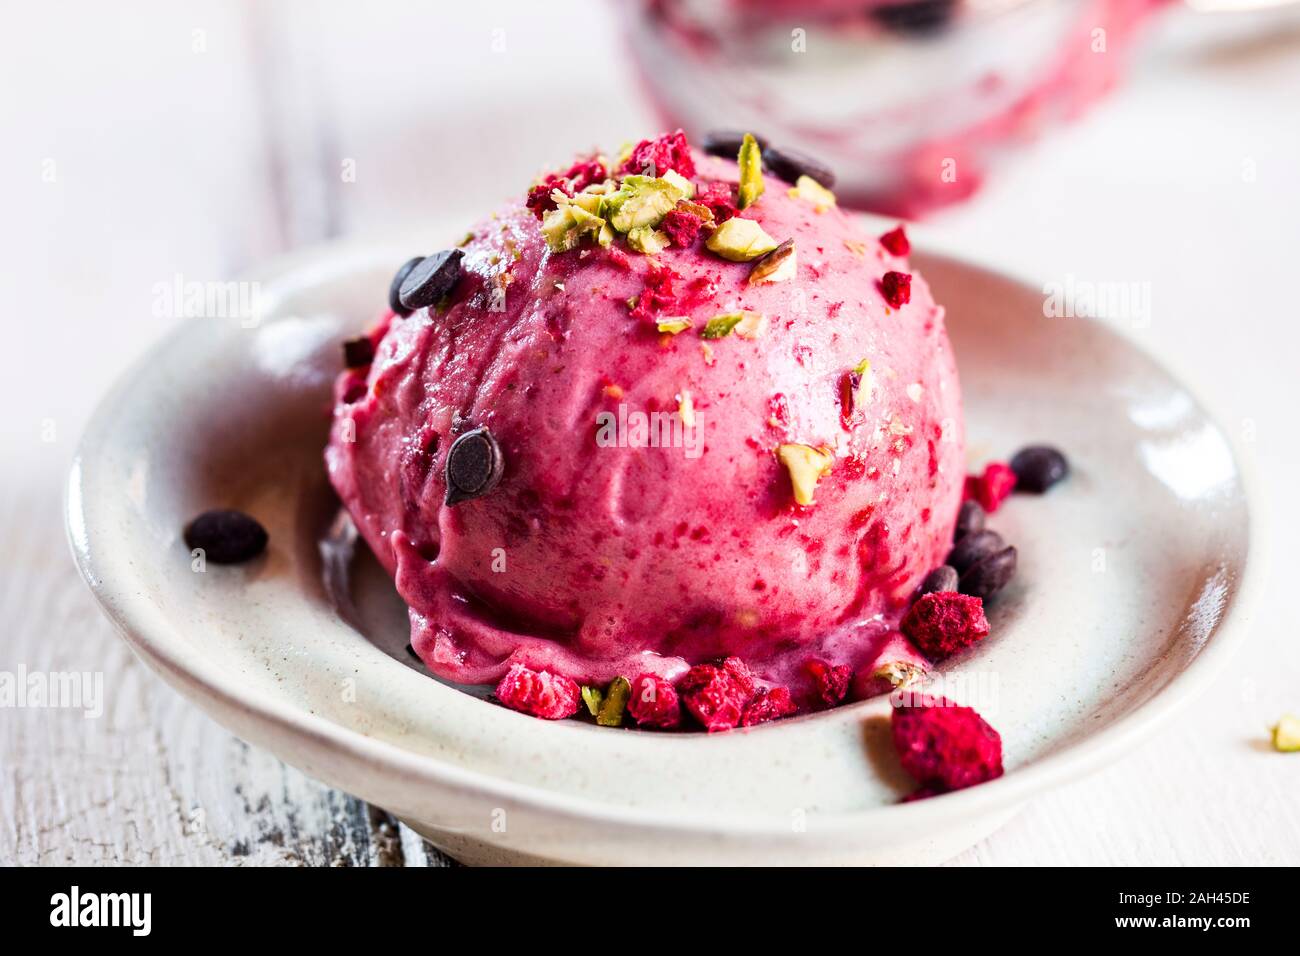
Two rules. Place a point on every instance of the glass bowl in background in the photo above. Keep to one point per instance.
(910, 103)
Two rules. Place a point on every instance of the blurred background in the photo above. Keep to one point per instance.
(1099, 140)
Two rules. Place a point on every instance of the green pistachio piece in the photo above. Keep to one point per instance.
(615, 703)
(740, 240)
(806, 466)
(560, 228)
(744, 323)
(640, 201)
(777, 266)
(811, 191)
(1286, 734)
(647, 239)
(680, 183)
(751, 171)
(674, 324)
(592, 697)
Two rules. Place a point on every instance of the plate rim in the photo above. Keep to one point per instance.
(216, 693)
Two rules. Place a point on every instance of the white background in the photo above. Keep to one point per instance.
(169, 161)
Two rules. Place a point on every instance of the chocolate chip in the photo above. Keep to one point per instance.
(726, 142)
(990, 574)
(1038, 467)
(974, 547)
(358, 353)
(431, 278)
(942, 578)
(395, 287)
(790, 164)
(474, 466)
(917, 17)
(226, 536)
(970, 518)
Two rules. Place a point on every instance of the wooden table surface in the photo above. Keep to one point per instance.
(195, 139)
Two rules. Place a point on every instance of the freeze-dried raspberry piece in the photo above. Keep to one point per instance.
(657, 294)
(945, 747)
(539, 197)
(682, 228)
(540, 693)
(767, 704)
(945, 622)
(897, 288)
(715, 694)
(670, 151)
(585, 172)
(717, 197)
(992, 487)
(831, 680)
(895, 242)
(654, 702)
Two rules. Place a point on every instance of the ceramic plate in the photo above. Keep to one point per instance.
(1133, 587)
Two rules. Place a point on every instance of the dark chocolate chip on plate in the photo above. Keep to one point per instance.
(395, 287)
(970, 518)
(726, 142)
(358, 353)
(974, 547)
(989, 575)
(915, 17)
(474, 466)
(431, 278)
(942, 578)
(790, 164)
(1038, 467)
(226, 536)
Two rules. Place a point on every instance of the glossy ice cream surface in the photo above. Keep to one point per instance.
(602, 552)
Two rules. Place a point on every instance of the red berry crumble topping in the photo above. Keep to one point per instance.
(895, 242)
(540, 693)
(944, 622)
(897, 288)
(992, 487)
(718, 198)
(670, 151)
(682, 228)
(945, 747)
(767, 704)
(831, 680)
(654, 702)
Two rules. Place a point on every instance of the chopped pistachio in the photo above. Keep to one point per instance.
(899, 673)
(720, 326)
(560, 229)
(686, 408)
(696, 210)
(811, 191)
(469, 237)
(641, 201)
(740, 240)
(856, 247)
(751, 325)
(679, 182)
(674, 324)
(707, 351)
(590, 202)
(592, 697)
(750, 159)
(1286, 734)
(863, 367)
(615, 703)
(647, 239)
(806, 466)
(777, 266)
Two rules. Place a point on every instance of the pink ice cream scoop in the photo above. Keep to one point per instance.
(654, 421)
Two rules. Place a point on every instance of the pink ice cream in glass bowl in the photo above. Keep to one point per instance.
(911, 102)
(664, 427)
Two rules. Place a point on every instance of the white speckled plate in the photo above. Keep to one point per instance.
(1134, 586)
